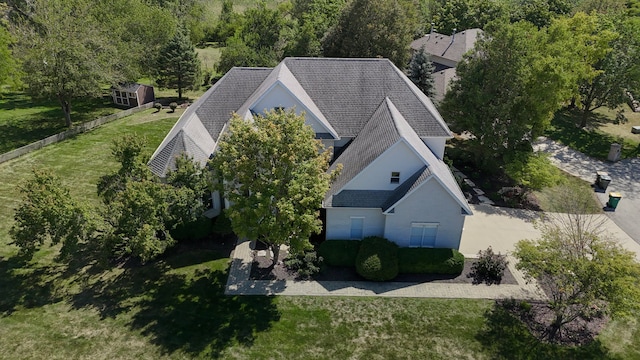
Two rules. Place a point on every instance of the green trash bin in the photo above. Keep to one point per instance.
(614, 199)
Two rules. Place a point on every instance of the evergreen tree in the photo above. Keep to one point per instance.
(420, 70)
(178, 65)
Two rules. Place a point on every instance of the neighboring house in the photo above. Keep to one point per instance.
(132, 95)
(383, 129)
(445, 52)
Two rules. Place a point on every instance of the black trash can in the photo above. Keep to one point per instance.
(604, 181)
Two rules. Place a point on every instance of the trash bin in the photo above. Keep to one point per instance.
(603, 181)
(614, 199)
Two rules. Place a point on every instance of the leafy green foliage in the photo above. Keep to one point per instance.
(374, 28)
(305, 264)
(377, 259)
(8, 65)
(178, 65)
(534, 171)
(420, 72)
(59, 61)
(466, 14)
(489, 268)
(339, 252)
(507, 90)
(314, 19)
(49, 214)
(273, 171)
(584, 274)
(430, 261)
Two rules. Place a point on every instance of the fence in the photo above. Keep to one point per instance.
(73, 131)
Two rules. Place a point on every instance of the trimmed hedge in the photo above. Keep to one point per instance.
(377, 259)
(430, 261)
(339, 252)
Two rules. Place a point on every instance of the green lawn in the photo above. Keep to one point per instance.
(24, 120)
(596, 141)
(175, 308)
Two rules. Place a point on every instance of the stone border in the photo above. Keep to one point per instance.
(73, 131)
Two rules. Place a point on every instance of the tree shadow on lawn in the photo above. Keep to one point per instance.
(506, 337)
(590, 142)
(179, 312)
(26, 287)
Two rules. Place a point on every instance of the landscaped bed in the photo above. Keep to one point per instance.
(261, 270)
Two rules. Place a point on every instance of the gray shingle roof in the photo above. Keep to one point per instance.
(440, 45)
(360, 198)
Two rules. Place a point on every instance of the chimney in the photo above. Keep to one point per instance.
(453, 35)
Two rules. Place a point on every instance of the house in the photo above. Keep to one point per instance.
(446, 52)
(132, 94)
(385, 132)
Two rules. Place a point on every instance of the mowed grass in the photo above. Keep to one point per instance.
(175, 308)
(24, 120)
(601, 133)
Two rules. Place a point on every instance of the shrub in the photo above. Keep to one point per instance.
(339, 252)
(306, 264)
(430, 261)
(489, 268)
(222, 225)
(193, 230)
(158, 106)
(533, 170)
(377, 259)
(173, 106)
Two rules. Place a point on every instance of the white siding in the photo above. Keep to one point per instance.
(436, 145)
(377, 176)
(430, 203)
(278, 96)
(339, 222)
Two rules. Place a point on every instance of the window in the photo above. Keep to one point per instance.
(118, 100)
(117, 93)
(357, 228)
(132, 95)
(423, 234)
(395, 177)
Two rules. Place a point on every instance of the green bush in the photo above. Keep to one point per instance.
(222, 225)
(194, 230)
(489, 268)
(173, 106)
(157, 106)
(532, 170)
(306, 264)
(377, 259)
(430, 261)
(339, 252)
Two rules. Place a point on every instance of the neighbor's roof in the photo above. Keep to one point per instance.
(343, 94)
(441, 45)
(129, 87)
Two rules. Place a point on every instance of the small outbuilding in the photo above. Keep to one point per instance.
(132, 94)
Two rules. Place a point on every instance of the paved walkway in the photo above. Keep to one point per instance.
(625, 175)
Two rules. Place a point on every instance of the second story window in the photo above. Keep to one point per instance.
(395, 177)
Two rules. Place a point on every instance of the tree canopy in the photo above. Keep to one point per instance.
(65, 53)
(374, 28)
(273, 172)
(8, 64)
(420, 72)
(178, 65)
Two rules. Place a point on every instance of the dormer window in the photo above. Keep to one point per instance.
(395, 177)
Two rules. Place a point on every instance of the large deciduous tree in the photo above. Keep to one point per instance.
(507, 90)
(178, 65)
(65, 53)
(584, 274)
(374, 28)
(8, 64)
(274, 173)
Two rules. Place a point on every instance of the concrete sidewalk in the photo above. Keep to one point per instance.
(625, 176)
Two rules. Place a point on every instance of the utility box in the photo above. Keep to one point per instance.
(615, 152)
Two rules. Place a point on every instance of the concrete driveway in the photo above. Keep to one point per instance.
(625, 179)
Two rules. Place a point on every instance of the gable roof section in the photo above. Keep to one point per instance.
(386, 127)
(282, 75)
(441, 45)
(349, 91)
(201, 124)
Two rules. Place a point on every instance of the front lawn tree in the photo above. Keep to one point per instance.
(65, 53)
(585, 274)
(178, 65)
(274, 173)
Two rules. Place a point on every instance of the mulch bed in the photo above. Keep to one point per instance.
(261, 270)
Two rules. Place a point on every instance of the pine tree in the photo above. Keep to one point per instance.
(178, 65)
(420, 70)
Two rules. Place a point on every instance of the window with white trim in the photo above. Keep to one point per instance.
(395, 177)
(423, 234)
(357, 228)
